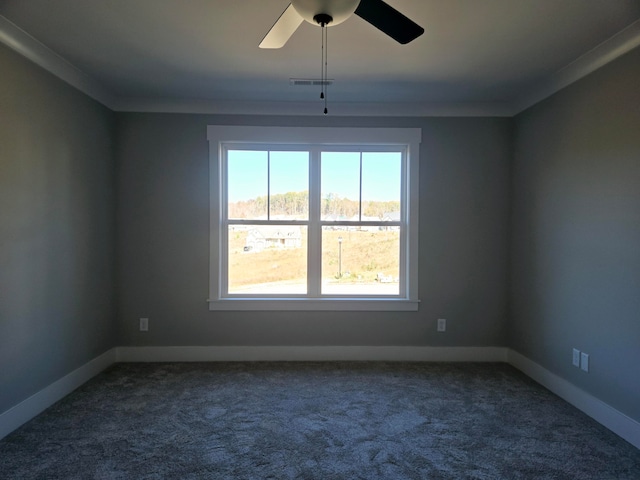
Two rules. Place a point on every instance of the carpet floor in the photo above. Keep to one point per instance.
(343, 420)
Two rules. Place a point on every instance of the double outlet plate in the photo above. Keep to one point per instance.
(580, 360)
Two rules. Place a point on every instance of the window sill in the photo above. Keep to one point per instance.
(316, 304)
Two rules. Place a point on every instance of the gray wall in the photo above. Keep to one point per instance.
(163, 235)
(56, 229)
(104, 218)
(575, 265)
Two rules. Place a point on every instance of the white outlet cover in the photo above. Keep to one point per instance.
(584, 361)
(144, 324)
(442, 324)
(576, 357)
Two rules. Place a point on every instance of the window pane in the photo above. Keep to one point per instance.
(381, 187)
(360, 261)
(247, 184)
(267, 259)
(340, 188)
(289, 177)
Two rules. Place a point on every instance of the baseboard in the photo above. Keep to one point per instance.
(614, 420)
(36, 403)
(311, 353)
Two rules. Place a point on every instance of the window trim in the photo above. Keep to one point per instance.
(217, 135)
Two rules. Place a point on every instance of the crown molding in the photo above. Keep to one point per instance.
(27, 46)
(341, 109)
(616, 46)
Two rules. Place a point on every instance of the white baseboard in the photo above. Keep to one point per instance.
(311, 353)
(36, 403)
(614, 420)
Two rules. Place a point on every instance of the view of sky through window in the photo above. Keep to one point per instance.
(248, 174)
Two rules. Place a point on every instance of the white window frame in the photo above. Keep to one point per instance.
(409, 139)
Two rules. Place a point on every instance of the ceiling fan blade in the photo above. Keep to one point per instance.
(389, 20)
(282, 30)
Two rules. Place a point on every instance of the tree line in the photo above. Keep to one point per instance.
(296, 204)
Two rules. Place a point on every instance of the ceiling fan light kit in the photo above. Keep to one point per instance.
(338, 10)
(376, 12)
(333, 12)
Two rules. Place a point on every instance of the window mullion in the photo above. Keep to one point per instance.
(314, 252)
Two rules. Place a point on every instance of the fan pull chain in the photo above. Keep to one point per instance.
(322, 27)
(323, 20)
(326, 75)
(323, 65)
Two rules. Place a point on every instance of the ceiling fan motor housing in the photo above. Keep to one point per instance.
(338, 10)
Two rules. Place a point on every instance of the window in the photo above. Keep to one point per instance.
(313, 218)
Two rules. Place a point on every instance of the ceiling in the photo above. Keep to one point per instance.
(500, 53)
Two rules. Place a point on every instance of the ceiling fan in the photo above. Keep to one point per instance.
(333, 12)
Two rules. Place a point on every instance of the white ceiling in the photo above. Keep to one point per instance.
(501, 53)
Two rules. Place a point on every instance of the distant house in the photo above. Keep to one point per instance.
(276, 236)
(391, 216)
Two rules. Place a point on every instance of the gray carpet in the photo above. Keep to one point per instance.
(314, 421)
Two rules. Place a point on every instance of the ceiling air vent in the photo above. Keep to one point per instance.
(309, 82)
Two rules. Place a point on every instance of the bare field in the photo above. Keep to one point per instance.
(363, 257)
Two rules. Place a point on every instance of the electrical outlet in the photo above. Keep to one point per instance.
(584, 361)
(144, 324)
(576, 357)
(442, 324)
